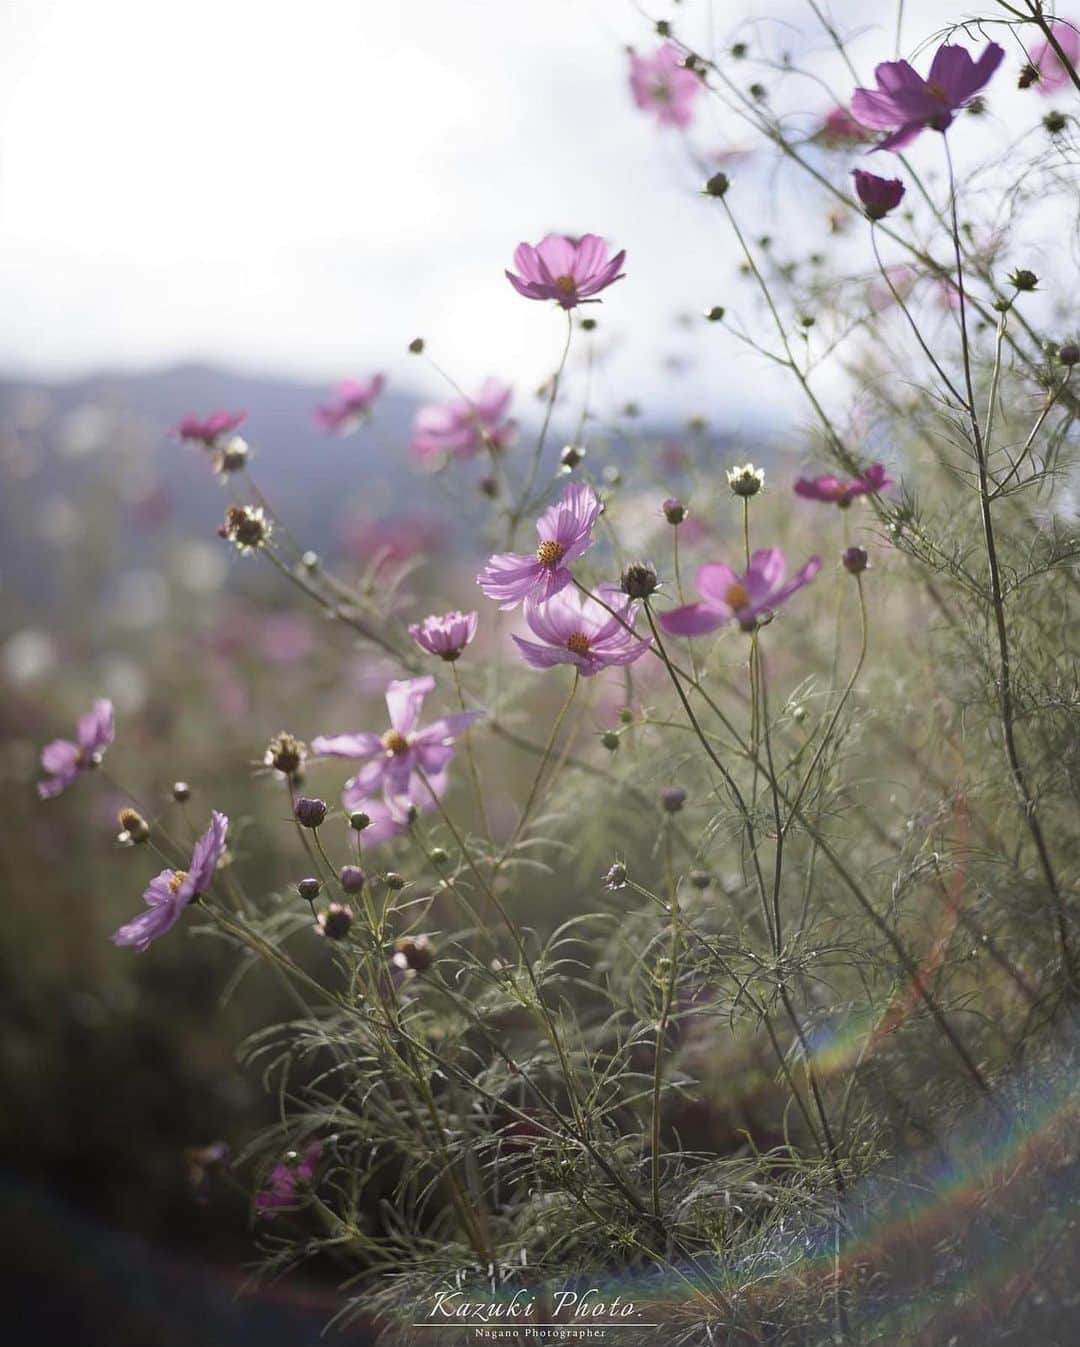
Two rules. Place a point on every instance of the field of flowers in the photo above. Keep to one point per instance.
(661, 889)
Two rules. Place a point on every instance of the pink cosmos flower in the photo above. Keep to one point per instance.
(570, 271)
(575, 629)
(905, 104)
(390, 759)
(209, 429)
(390, 817)
(727, 597)
(838, 491)
(352, 402)
(169, 892)
(464, 426)
(445, 636)
(564, 531)
(1053, 73)
(661, 83)
(64, 760)
(281, 1187)
(878, 195)
(840, 128)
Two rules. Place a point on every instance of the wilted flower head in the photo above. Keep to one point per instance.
(63, 759)
(878, 195)
(286, 754)
(413, 953)
(1050, 72)
(662, 84)
(905, 104)
(575, 629)
(134, 829)
(746, 480)
(247, 526)
(200, 1161)
(564, 531)
(615, 878)
(728, 597)
(208, 430)
(335, 922)
(567, 270)
(445, 636)
(351, 403)
(462, 427)
(231, 455)
(295, 1171)
(391, 759)
(169, 892)
(842, 491)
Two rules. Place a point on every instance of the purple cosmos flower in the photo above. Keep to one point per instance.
(64, 760)
(169, 892)
(878, 195)
(576, 629)
(390, 759)
(727, 597)
(280, 1191)
(209, 429)
(1052, 74)
(661, 83)
(840, 128)
(464, 426)
(564, 531)
(569, 271)
(352, 402)
(838, 491)
(445, 636)
(905, 104)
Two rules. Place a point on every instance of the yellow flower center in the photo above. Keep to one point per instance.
(578, 642)
(394, 742)
(550, 553)
(566, 284)
(737, 596)
(176, 879)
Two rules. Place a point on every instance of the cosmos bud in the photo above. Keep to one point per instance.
(310, 812)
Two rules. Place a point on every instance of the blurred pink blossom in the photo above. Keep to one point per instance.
(662, 84)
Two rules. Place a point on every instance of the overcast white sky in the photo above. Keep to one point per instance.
(304, 187)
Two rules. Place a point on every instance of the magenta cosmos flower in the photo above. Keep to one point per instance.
(207, 430)
(569, 271)
(842, 491)
(1053, 74)
(662, 84)
(351, 403)
(463, 426)
(445, 636)
(905, 104)
(169, 892)
(64, 760)
(281, 1188)
(878, 195)
(728, 597)
(390, 759)
(575, 629)
(564, 531)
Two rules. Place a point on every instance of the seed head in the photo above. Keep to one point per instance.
(247, 526)
(134, 828)
(415, 953)
(639, 580)
(746, 481)
(615, 878)
(285, 753)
